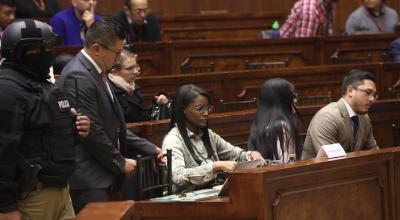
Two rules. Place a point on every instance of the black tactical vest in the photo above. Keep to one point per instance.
(47, 150)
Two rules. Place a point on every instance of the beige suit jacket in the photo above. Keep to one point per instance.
(331, 125)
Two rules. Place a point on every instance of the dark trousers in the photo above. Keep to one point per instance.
(80, 198)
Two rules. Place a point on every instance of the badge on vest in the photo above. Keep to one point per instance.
(64, 105)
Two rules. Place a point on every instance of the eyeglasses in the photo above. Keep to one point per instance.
(203, 108)
(369, 93)
(141, 11)
(131, 68)
(117, 53)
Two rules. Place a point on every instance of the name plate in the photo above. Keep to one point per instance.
(331, 151)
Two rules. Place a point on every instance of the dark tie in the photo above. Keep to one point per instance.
(354, 120)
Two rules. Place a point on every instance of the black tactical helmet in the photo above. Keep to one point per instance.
(22, 35)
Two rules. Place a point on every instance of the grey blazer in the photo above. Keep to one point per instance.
(99, 160)
(332, 124)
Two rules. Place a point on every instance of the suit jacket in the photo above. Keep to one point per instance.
(148, 32)
(332, 124)
(100, 157)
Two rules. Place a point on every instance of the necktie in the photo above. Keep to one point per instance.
(354, 120)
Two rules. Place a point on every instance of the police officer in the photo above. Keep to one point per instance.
(38, 130)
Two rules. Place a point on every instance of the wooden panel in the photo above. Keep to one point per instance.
(359, 186)
(214, 33)
(230, 55)
(221, 20)
(372, 44)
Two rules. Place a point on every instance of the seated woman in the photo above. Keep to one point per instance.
(197, 152)
(122, 78)
(274, 129)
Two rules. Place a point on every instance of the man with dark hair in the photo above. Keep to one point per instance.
(73, 22)
(373, 16)
(346, 121)
(101, 162)
(7, 14)
(138, 23)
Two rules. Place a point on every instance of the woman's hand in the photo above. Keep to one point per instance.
(226, 166)
(161, 99)
(255, 155)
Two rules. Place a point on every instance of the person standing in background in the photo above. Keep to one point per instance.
(309, 18)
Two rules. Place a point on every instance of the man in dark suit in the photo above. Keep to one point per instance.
(138, 23)
(101, 162)
(345, 121)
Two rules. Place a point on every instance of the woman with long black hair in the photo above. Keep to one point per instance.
(274, 129)
(197, 152)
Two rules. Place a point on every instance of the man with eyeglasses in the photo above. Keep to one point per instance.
(138, 23)
(103, 158)
(345, 121)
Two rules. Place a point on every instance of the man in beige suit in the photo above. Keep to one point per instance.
(346, 121)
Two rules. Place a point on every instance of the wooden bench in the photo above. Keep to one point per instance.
(235, 126)
(166, 58)
(245, 85)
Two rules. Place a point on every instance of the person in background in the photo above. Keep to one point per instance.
(198, 153)
(274, 131)
(122, 81)
(138, 23)
(394, 49)
(372, 17)
(73, 22)
(36, 8)
(345, 121)
(7, 14)
(309, 18)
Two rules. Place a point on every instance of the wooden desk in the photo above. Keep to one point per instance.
(364, 185)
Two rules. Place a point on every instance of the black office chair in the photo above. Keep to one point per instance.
(153, 179)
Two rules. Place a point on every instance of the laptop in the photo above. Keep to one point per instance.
(239, 166)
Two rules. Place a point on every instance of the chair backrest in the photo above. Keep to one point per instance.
(237, 105)
(314, 100)
(153, 178)
(396, 134)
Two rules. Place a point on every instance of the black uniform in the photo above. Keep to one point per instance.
(36, 135)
